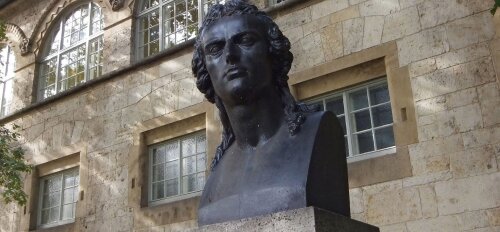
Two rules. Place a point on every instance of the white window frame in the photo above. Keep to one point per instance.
(202, 4)
(354, 155)
(8, 70)
(59, 27)
(61, 203)
(180, 196)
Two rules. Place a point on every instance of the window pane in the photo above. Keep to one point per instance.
(67, 212)
(169, 40)
(336, 105)
(149, 4)
(158, 172)
(159, 155)
(200, 181)
(154, 33)
(201, 162)
(189, 183)
(172, 150)
(75, 26)
(189, 165)
(54, 45)
(154, 47)
(158, 190)
(75, 194)
(365, 142)
(362, 120)
(382, 115)
(379, 94)
(69, 180)
(96, 19)
(172, 169)
(172, 187)
(54, 214)
(180, 36)
(168, 26)
(188, 146)
(45, 216)
(200, 143)
(8, 95)
(68, 196)
(49, 72)
(54, 198)
(358, 99)
(45, 201)
(384, 137)
(77, 179)
(95, 58)
(53, 184)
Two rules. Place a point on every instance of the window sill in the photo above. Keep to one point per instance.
(371, 155)
(379, 168)
(175, 199)
(66, 225)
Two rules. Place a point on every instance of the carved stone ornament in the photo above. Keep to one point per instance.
(24, 46)
(24, 42)
(116, 4)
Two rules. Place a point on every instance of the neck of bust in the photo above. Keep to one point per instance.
(255, 122)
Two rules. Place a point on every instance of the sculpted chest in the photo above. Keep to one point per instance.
(291, 172)
(273, 181)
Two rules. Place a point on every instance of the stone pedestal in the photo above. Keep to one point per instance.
(308, 219)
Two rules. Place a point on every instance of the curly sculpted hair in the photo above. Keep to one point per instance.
(279, 50)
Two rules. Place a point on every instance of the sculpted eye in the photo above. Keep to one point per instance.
(214, 48)
(247, 39)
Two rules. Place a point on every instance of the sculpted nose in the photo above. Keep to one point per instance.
(232, 53)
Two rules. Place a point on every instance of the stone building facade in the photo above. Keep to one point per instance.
(436, 168)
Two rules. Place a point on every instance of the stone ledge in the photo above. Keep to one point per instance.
(305, 219)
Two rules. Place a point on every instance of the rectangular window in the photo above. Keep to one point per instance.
(164, 24)
(177, 168)
(57, 198)
(365, 115)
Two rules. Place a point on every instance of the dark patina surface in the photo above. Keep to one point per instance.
(276, 154)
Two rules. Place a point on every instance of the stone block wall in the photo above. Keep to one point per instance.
(448, 50)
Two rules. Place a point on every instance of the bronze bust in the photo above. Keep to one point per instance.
(276, 154)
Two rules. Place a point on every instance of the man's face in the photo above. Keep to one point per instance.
(237, 58)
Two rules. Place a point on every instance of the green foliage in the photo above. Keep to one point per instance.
(3, 28)
(494, 9)
(12, 165)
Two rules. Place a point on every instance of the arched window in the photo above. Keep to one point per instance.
(7, 64)
(162, 24)
(73, 54)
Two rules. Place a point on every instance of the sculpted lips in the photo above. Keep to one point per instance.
(235, 72)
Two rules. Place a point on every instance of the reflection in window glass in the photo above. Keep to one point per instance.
(163, 24)
(7, 64)
(58, 197)
(177, 167)
(74, 54)
(368, 125)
